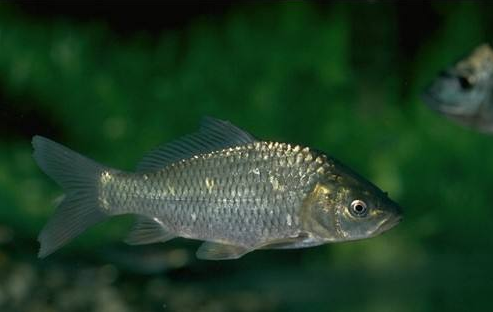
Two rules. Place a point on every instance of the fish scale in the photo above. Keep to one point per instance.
(240, 176)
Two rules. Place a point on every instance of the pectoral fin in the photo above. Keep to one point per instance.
(148, 231)
(218, 251)
(301, 241)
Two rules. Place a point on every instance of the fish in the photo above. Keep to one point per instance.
(463, 92)
(219, 185)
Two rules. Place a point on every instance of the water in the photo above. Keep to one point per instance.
(342, 77)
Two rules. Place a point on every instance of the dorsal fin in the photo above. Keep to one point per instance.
(213, 134)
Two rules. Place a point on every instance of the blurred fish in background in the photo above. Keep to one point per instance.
(463, 92)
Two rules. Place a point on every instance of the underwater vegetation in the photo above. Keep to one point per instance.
(344, 78)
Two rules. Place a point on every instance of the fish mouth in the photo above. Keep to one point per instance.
(389, 223)
(441, 106)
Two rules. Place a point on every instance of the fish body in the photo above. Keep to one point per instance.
(233, 195)
(464, 92)
(222, 186)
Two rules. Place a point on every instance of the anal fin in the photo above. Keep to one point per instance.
(219, 251)
(148, 231)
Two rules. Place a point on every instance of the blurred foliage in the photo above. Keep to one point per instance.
(339, 77)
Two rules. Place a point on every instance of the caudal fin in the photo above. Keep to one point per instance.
(79, 209)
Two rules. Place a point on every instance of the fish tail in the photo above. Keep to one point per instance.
(79, 209)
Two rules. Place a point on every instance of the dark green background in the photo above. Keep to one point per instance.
(112, 82)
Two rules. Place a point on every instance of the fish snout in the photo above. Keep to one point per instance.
(390, 222)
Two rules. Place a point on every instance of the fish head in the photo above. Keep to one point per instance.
(459, 91)
(362, 211)
(345, 207)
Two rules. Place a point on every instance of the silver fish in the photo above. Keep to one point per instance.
(220, 185)
(463, 93)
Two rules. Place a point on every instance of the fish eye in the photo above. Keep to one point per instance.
(465, 83)
(358, 208)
